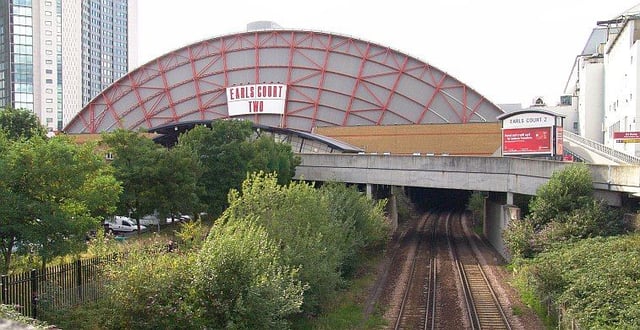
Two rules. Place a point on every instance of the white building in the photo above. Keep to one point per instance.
(604, 79)
(586, 87)
(56, 55)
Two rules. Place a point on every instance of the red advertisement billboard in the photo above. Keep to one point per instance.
(627, 137)
(526, 141)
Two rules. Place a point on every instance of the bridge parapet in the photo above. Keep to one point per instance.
(499, 174)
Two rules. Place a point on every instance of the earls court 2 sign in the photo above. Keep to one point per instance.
(256, 99)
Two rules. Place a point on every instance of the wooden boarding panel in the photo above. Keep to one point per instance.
(472, 139)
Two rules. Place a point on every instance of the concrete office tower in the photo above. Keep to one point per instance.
(56, 55)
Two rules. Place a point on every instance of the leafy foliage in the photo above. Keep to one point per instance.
(53, 193)
(20, 124)
(595, 279)
(224, 153)
(361, 219)
(148, 289)
(242, 282)
(154, 179)
(272, 157)
(227, 152)
(476, 206)
(322, 240)
(19, 321)
(563, 210)
(566, 191)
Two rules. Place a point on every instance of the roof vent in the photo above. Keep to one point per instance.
(539, 102)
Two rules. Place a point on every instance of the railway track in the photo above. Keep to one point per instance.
(482, 305)
(418, 306)
(444, 285)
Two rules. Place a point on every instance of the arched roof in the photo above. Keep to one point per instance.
(331, 80)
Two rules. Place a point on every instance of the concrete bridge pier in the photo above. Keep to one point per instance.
(499, 211)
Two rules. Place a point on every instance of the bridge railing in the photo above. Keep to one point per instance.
(610, 153)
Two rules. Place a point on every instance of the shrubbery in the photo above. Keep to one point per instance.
(316, 228)
(563, 253)
(596, 280)
(277, 252)
(562, 210)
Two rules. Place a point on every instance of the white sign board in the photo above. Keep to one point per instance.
(256, 99)
(529, 120)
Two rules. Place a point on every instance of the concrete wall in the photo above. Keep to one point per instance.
(493, 228)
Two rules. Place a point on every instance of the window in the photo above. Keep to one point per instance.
(575, 125)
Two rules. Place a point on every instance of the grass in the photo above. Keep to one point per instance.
(529, 297)
(346, 311)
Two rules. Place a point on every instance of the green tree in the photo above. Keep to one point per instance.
(227, 152)
(20, 123)
(149, 289)
(136, 161)
(224, 152)
(53, 192)
(594, 279)
(176, 181)
(272, 157)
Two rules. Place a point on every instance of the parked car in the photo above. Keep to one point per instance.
(149, 220)
(122, 224)
(177, 218)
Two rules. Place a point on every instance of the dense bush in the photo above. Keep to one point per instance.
(566, 191)
(562, 210)
(361, 218)
(150, 289)
(316, 232)
(240, 281)
(596, 280)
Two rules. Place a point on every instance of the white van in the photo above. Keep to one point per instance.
(122, 224)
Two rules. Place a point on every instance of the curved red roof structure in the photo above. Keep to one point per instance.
(331, 80)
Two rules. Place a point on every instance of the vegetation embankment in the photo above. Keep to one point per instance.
(276, 258)
(575, 257)
(54, 192)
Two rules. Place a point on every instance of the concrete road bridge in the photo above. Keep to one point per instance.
(500, 177)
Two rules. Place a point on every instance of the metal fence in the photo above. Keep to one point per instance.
(54, 287)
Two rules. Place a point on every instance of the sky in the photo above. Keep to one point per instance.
(510, 51)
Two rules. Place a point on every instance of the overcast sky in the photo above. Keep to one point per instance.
(508, 51)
